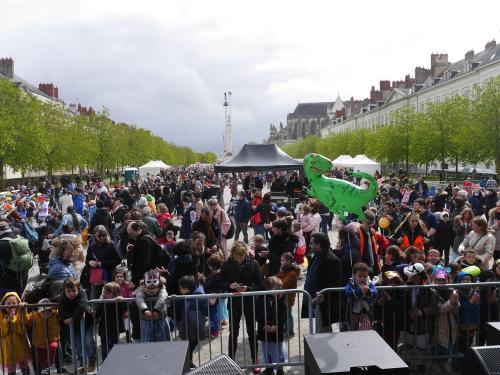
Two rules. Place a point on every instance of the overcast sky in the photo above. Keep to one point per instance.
(164, 65)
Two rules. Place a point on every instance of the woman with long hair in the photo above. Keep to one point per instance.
(209, 227)
(73, 219)
(462, 226)
(223, 220)
(481, 241)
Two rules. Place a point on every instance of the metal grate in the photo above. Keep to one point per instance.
(221, 365)
(490, 357)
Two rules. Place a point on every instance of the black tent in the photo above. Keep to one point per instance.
(259, 158)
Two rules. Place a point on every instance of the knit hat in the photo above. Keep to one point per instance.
(414, 269)
(149, 197)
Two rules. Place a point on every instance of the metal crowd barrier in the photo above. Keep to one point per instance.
(388, 315)
(75, 342)
(417, 340)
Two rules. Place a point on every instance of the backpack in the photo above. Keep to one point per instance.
(230, 232)
(22, 257)
(30, 233)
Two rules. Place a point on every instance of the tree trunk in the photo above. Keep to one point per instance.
(2, 175)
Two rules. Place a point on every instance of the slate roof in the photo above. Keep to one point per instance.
(28, 87)
(318, 109)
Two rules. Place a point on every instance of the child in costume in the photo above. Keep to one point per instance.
(15, 347)
(151, 299)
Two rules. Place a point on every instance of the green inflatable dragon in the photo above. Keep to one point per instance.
(338, 195)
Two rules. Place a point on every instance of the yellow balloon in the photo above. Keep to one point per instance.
(384, 222)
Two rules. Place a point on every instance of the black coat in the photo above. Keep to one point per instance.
(264, 208)
(101, 217)
(106, 253)
(110, 315)
(202, 227)
(271, 310)
(328, 275)
(279, 244)
(184, 264)
(75, 308)
(140, 258)
(247, 273)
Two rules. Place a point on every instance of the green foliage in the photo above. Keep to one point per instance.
(457, 129)
(43, 136)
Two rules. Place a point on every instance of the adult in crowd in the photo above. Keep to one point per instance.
(426, 216)
(9, 280)
(241, 273)
(189, 260)
(102, 216)
(477, 202)
(140, 252)
(265, 209)
(66, 200)
(119, 210)
(242, 213)
(78, 258)
(325, 271)
(78, 201)
(421, 188)
(256, 218)
(102, 254)
(282, 241)
(60, 266)
(368, 246)
(209, 227)
(481, 241)
(222, 219)
(73, 219)
(151, 223)
(188, 215)
(462, 226)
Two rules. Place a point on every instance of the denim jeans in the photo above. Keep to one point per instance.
(214, 318)
(222, 309)
(155, 330)
(241, 227)
(324, 223)
(289, 321)
(88, 350)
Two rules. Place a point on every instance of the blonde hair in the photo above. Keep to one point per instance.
(61, 244)
(239, 248)
(162, 208)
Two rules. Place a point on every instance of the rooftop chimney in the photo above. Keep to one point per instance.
(439, 63)
(421, 74)
(7, 67)
(49, 89)
(469, 55)
(490, 44)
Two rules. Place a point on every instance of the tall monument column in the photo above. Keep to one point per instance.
(228, 134)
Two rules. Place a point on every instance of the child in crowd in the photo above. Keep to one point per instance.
(468, 312)
(190, 314)
(73, 307)
(271, 319)
(469, 259)
(392, 259)
(152, 313)
(289, 273)
(120, 277)
(14, 344)
(434, 257)
(170, 241)
(445, 334)
(258, 247)
(301, 247)
(420, 307)
(109, 317)
(454, 270)
(45, 336)
(212, 284)
(414, 255)
(389, 308)
(361, 293)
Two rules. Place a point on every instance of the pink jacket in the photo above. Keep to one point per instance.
(307, 223)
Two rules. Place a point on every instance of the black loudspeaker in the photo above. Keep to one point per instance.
(165, 358)
(346, 353)
(482, 360)
(221, 365)
(493, 333)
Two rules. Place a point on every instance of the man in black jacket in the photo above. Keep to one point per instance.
(325, 271)
(102, 216)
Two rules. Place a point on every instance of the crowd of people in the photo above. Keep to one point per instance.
(160, 238)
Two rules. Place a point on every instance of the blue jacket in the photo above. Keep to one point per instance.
(468, 314)
(242, 211)
(60, 269)
(78, 203)
(190, 315)
(360, 303)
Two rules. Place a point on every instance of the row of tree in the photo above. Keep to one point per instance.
(44, 136)
(458, 129)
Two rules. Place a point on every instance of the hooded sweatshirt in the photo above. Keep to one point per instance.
(14, 343)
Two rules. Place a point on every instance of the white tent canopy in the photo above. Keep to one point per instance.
(152, 167)
(359, 163)
(343, 161)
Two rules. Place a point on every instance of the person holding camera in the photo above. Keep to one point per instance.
(240, 273)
